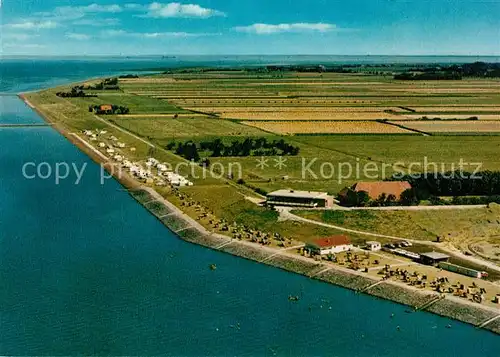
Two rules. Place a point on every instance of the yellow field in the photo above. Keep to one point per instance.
(294, 109)
(442, 90)
(456, 108)
(453, 126)
(453, 116)
(294, 113)
(327, 127)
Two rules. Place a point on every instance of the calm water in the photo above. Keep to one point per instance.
(85, 270)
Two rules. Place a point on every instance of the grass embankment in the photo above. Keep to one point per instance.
(460, 227)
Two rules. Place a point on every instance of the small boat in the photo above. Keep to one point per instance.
(213, 266)
(293, 298)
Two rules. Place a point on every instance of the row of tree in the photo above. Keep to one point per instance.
(425, 76)
(128, 76)
(247, 147)
(75, 93)
(438, 118)
(114, 109)
(476, 69)
(454, 184)
(455, 71)
(106, 84)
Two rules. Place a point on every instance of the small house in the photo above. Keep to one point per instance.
(373, 246)
(330, 245)
(105, 109)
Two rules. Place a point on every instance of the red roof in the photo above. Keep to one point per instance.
(375, 189)
(333, 241)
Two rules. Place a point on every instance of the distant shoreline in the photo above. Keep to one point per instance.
(197, 234)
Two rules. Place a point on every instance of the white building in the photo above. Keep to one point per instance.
(373, 246)
(331, 245)
(294, 198)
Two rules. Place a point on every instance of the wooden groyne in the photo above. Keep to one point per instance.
(371, 286)
(487, 322)
(429, 303)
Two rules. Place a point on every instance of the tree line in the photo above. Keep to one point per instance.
(115, 109)
(412, 76)
(451, 72)
(248, 147)
(456, 183)
(75, 93)
(106, 84)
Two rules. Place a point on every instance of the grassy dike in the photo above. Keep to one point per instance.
(191, 231)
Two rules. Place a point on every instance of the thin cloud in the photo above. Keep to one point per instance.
(154, 35)
(78, 36)
(69, 13)
(173, 34)
(32, 25)
(266, 29)
(113, 33)
(23, 45)
(97, 22)
(175, 9)
(135, 7)
(82, 10)
(18, 36)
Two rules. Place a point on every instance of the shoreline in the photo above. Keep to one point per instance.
(189, 230)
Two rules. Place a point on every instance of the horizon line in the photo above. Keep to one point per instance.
(248, 55)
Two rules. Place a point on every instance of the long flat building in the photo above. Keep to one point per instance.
(294, 198)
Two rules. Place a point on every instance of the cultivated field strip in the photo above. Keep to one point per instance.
(460, 115)
(453, 126)
(327, 127)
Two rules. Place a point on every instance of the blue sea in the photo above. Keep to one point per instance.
(85, 270)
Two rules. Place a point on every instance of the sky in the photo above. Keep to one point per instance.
(260, 27)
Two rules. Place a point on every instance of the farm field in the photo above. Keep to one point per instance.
(136, 104)
(334, 159)
(407, 149)
(327, 127)
(456, 108)
(459, 116)
(453, 126)
(318, 96)
(173, 129)
(304, 114)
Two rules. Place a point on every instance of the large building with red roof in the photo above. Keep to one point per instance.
(377, 188)
(330, 245)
